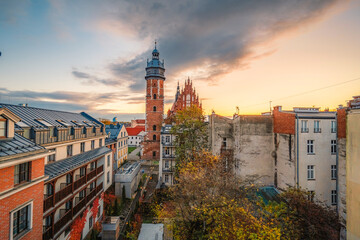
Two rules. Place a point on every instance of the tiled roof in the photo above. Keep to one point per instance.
(141, 121)
(30, 116)
(109, 141)
(135, 131)
(17, 145)
(60, 167)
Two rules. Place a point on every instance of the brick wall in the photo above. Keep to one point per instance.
(283, 122)
(341, 123)
(34, 193)
(11, 202)
(149, 147)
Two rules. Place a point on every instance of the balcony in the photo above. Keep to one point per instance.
(304, 130)
(168, 155)
(165, 143)
(81, 180)
(47, 232)
(63, 193)
(48, 202)
(90, 194)
(91, 173)
(63, 221)
(168, 169)
(99, 188)
(317, 130)
(100, 169)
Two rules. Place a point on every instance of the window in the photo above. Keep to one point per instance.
(48, 221)
(167, 151)
(166, 178)
(333, 172)
(68, 205)
(69, 150)
(154, 137)
(333, 197)
(167, 139)
(304, 127)
(154, 108)
(333, 146)
(100, 142)
(21, 220)
(82, 171)
(311, 172)
(22, 173)
(311, 196)
(108, 160)
(68, 179)
(188, 100)
(2, 127)
(82, 147)
(166, 164)
(317, 128)
(82, 194)
(51, 158)
(90, 222)
(154, 154)
(92, 186)
(154, 127)
(108, 177)
(154, 96)
(92, 144)
(224, 143)
(92, 166)
(49, 190)
(310, 146)
(333, 126)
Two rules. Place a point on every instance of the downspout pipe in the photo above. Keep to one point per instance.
(337, 167)
(297, 150)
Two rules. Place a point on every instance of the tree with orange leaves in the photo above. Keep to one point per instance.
(78, 226)
(95, 207)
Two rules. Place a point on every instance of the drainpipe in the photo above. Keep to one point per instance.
(337, 168)
(297, 150)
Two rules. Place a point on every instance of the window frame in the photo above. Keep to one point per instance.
(29, 213)
(5, 127)
(69, 150)
(310, 172)
(310, 147)
(333, 147)
(333, 170)
(17, 176)
(333, 197)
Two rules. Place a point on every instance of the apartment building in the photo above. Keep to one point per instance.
(136, 136)
(21, 182)
(167, 157)
(118, 135)
(78, 165)
(294, 148)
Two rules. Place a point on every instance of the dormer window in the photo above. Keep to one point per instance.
(43, 122)
(3, 126)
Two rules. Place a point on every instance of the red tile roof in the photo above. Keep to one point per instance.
(142, 121)
(134, 131)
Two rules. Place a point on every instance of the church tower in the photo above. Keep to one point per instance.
(154, 106)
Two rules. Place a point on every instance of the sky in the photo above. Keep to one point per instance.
(89, 55)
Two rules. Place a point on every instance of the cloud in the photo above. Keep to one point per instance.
(89, 79)
(70, 101)
(206, 38)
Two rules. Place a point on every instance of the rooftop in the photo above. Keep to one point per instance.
(60, 167)
(134, 131)
(128, 168)
(114, 130)
(40, 118)
(17, 145)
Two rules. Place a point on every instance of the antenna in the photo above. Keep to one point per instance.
(270, 105)
(237, 110)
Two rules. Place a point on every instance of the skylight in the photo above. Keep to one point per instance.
(63, 123)
(22, 124)
(43, 122)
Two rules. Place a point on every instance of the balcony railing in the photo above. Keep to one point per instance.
(168, 155)
(47, 232)
(81, 202)
(168, 169)
(48, 202)
(62, 221)
(317, 130)
(99, 188)
(304, 130)
(63, 193)
(167, 143)
(91, 195)
(91, 174)
(100, 169)
(81, 181)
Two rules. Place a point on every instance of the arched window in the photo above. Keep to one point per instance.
(154, 108)
(154, 96)
(154, 127)
(154, 137)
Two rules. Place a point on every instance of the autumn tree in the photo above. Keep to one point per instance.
(190, 131)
